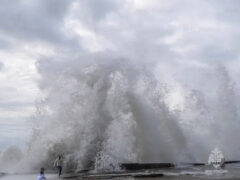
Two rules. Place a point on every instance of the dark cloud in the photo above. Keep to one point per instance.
(99, 9)
(35, 20)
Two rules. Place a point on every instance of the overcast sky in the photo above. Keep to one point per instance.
(196, 33)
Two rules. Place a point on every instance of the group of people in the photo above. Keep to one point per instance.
(58, 163)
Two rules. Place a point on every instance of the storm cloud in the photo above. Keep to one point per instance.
(35, 21)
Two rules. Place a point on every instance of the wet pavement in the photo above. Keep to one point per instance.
(28, 177)
(177, 173)
(230, 172)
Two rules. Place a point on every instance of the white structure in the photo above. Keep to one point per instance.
(216, 158)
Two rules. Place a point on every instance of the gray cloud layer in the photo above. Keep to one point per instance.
(35, 20)
(206, 29)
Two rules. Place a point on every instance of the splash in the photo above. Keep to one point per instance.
(10, 158)
(216, 158)
(107, 111)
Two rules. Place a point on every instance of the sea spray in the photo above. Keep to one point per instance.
(9, 159)
(108, 111)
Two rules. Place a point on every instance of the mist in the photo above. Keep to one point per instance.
(100, 111)
(127, 82)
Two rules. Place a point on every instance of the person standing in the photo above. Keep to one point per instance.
(59, 164)
(41, 176)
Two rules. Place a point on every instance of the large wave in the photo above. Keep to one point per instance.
(146, 87)
(107, 111)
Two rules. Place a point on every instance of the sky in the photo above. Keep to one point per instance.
(197, 33)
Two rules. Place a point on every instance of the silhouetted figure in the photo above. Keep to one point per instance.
(59, 164)
(41, 176)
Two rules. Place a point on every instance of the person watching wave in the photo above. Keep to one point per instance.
(59, 164)
(41, 176)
